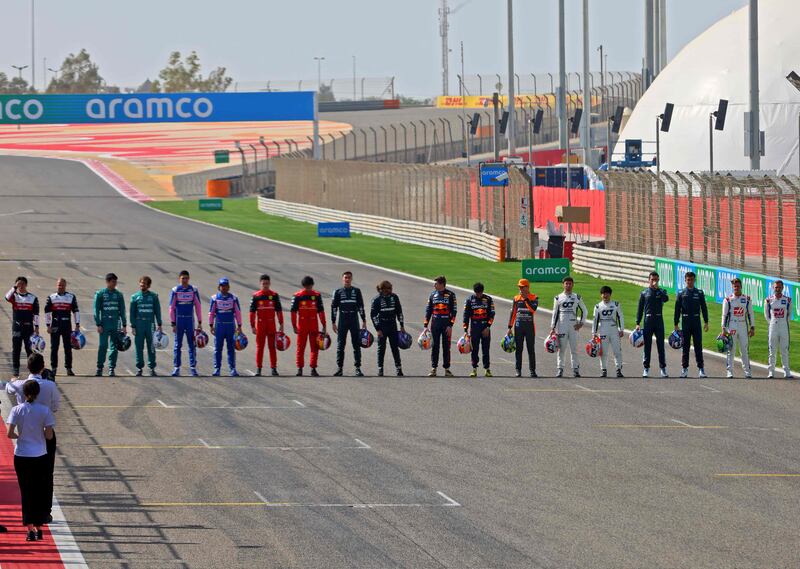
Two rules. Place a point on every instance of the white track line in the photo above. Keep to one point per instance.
(450, 501)
(711, 389)
(71, 556)
(362, 443)
(163, 404)
(682, 423)
(204, 443)
(299, 404)
(260, 497)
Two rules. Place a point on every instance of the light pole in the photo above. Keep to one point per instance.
(562, 76)
(55, 74)
(587, 95)
(755, 105)
(20, 68)
(319, 61)
(354, 77)
(33, 44)
(512, 128)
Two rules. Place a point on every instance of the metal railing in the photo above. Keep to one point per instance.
(440, 195)
(747, 223)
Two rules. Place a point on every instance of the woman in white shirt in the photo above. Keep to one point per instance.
(31, 424)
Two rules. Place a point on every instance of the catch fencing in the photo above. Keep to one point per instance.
(439, 195)
(748, 223)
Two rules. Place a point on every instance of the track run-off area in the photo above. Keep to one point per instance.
(378, 471)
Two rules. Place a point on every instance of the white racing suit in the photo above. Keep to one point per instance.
(565, 317)
(608, 323)
(737, 318)
(777, 311)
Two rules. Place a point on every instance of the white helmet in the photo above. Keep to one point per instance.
(160, 340)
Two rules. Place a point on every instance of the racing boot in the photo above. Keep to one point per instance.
(432, 373)
(604, 373)
(234, 373)
(139, 373)
(359, 373)
(314, 372)
(487, 373)
(153, 372)
(70, 372)
(176, 372)
(111, 372)
(474, 372)
(399, 372)
(299, 372)
(98, 373)
(258, 372)
(274, 372)
(193, 372)
(380, 372)
(338, 373)
(448, 373)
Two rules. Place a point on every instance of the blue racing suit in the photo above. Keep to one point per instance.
(225, 316)
(184, 303)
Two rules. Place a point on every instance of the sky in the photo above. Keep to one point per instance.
(260, 40)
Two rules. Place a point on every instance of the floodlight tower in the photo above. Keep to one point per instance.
(444, 27)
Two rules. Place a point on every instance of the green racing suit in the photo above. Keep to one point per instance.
(145, 312)
(109, 312)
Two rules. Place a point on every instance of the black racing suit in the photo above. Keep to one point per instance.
(58, 311)
(349, 304)
(651, 308)
(440, 314)
(385, 313)
(522, 322)
(690, 304)
(25, 318)
(478, 316)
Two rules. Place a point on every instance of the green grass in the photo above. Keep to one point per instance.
(461, 270)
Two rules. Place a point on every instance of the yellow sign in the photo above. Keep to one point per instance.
(485, 102)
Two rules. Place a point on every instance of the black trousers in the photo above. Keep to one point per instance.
(389, 333)
(35, 488)
(479, 343)
(440, 329)
(347, 328)
(692, 331)
(524, 333)
(61, 335)
(20, 336)
(654, 327)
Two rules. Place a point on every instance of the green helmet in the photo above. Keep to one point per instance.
(723, 343)
(508, 343)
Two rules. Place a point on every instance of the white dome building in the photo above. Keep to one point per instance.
(714, 66)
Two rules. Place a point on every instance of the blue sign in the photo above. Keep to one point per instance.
(156, 108)
(333, 229)
(494, 174)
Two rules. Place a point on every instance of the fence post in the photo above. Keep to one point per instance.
(779, 198)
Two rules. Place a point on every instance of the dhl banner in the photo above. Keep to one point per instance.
(484, 102)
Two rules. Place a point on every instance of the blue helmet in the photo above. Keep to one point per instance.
(404, 340)
(676, 340)
(637, 338)
(223, 281)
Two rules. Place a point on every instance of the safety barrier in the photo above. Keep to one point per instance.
(614, 265)
(456, 239)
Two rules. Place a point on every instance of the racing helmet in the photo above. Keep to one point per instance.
(240, 341)
(37, 343)
(637, 338)
(123, 342)
(77, 339)
(282, 341)
(464, 346)
(200, 339)
(594, 347)
(366, 338)
(160, 340)
(723, 343)
(323, 341)
(404, 340)
(676, 340)
(551, 344)
(508, 343)
(424, 340)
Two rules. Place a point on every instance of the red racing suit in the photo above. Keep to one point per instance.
(264, 307)
(306, 310)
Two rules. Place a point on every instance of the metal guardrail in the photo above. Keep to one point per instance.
(456, 239)
(610, 264)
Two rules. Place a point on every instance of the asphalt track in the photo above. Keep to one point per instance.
(382, 472)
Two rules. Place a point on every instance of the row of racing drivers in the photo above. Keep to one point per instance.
(349, 320)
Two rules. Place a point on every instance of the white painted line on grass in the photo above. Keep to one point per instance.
(450, 501)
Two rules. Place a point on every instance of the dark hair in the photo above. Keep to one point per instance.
(111, 277)
(777, 281)
(23, 279)
(146, 279)
(183, 273)
(567, 279)
(35, 363)
(441, 279)
(653, 274)
(384, 284)
(307, 281)
(264, 277)
(477, 287)
(735, 280)
(605, 289)
(690, 274)
(31, 389)
(347, 273)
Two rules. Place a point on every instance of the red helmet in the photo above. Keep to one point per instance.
(594, 347)
(200, 339)
(551, 344)
(282, 341)
(323, 341)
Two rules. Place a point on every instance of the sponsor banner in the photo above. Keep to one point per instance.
(213, 204)
(716, 282)
(333, 229)
(485, 101)
(494, 174)
(545, 270)
(156, 108)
